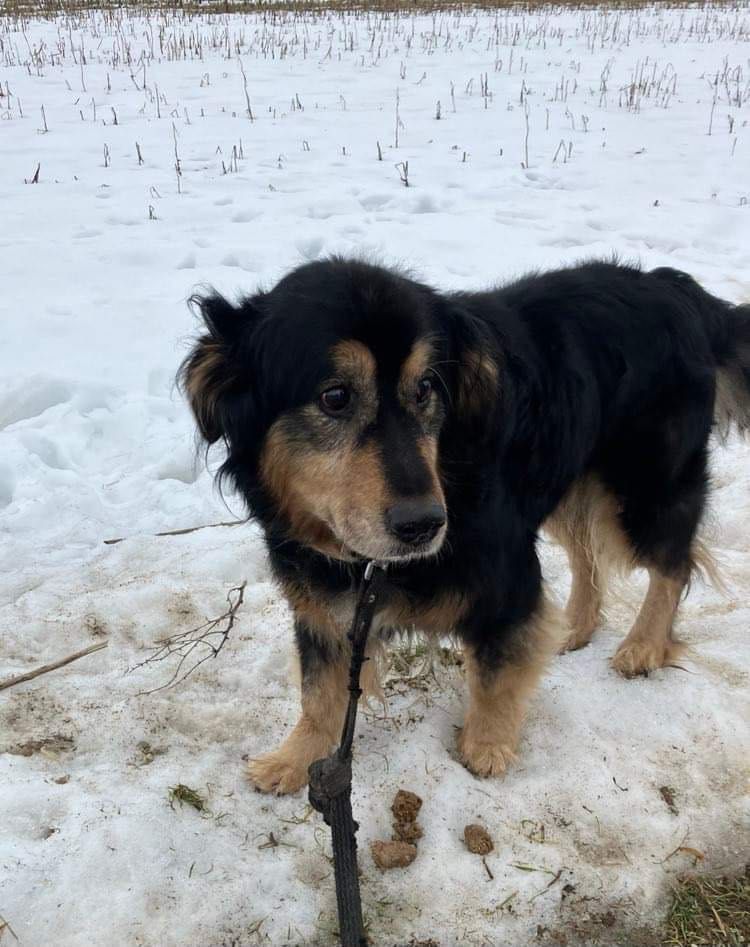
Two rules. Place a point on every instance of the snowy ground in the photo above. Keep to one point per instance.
(95, 444)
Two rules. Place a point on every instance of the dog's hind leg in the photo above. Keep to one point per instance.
(584, 607)
(661, 521)
(651, 643)
(586, 525)
(585, 600)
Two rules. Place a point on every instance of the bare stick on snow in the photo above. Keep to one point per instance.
(45, 668)
(247, 94)
(4, 925)
(179, 532)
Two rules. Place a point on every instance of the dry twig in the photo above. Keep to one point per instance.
(30, 675)
(179, 532)
(207, 639)
(5, 926)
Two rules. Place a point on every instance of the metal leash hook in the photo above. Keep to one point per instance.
(331, 778)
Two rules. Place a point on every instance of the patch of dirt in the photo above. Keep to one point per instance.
(95, 626)
(667, 794)
(50, 747)
(148, 753)
(32, 710)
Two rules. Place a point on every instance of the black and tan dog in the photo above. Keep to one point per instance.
(366, 416)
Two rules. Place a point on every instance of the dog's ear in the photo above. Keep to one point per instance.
(475, 359)
(212, 370)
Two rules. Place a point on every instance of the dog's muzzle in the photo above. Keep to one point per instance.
(415, 522)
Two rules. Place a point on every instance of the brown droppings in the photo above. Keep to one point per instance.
(406, 806)
(407, 832)
(387, 855)
(478, 839)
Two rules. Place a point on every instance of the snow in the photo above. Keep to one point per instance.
(96, 444)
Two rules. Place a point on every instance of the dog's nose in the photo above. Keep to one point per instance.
(415, 521)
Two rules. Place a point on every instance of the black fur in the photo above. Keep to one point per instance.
(601, 368)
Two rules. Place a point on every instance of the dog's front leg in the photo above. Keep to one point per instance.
(324, 665)
(503, 669)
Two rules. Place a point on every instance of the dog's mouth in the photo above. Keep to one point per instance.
(410, 553)
(398, 537)
(395, 554)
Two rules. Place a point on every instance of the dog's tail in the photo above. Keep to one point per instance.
(728, 327)
(732, 405)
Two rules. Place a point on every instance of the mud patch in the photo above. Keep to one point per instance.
(50, 747)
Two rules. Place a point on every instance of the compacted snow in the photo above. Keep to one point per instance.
(561, 135)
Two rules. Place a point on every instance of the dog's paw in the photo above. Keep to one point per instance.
(575, 640)
(639, 657)
(484, 758)
(277, 772)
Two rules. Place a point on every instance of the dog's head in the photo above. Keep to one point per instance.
(331, 392)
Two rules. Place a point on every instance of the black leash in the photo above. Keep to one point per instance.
(331, 778)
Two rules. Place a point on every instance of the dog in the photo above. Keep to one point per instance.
(366, 416)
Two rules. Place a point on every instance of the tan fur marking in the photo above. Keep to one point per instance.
(428, 448)
(324, 701)
(329, 622)
(414, 369)
(650, 643)
(284, 770)
(584, 607)
(586, 523)
(731, 405)
(291, 473)
(498, 701)
(440, 617)
(367, 472)
(705, 565)
(205, 379)
(478, 383)
(355, 363)
(309, 488)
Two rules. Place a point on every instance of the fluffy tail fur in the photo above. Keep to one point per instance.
(732, 406)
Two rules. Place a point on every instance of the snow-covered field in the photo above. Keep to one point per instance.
(561, 135)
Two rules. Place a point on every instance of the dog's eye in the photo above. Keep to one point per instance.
(424, 389)
(335, 400)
